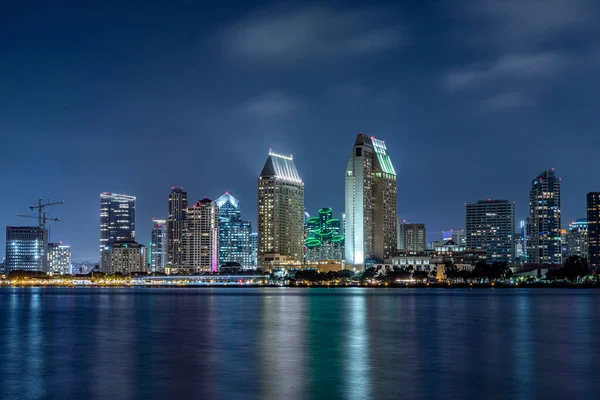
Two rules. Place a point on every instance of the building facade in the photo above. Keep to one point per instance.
(370, 202)
(414, 236)
(124, 257)
(235, 235)
(577, 239)
(26, 248)
(490, 226)
(59, 259)
(280, 213)
(201, 237)
(593, 219)
(543, 231)
(117, 219)
(254, 239)
(324, 239)
(178, 206)
(158, 245)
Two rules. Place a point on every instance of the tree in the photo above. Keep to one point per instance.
(420, 276)
(574, 268)
(450, 270)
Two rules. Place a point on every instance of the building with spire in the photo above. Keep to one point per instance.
(370, 201)
(544, 231)
(280, 213)
(235, 234)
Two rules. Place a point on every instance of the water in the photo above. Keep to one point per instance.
(272, 343)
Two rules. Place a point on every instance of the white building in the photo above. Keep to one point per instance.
(59, 259)
(370, 203)
(201, 237)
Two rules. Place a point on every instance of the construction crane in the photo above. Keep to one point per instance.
(41, 214)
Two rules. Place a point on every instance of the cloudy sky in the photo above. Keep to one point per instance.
(473, 98)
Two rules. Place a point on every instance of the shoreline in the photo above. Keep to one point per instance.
(323, 286)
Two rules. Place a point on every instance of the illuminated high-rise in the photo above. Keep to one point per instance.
(593, 219)
(175, 224)
(158, 245)
(370, 203)
(577, 238)
(490, 226)
(26, 248)
(201, 237)
(59, 258)
(235, 234)
(117, 219)
(544, 237)
(280, 212)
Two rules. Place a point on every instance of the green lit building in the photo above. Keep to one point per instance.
(324, 238)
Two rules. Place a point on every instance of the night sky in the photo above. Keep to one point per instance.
(473, 98)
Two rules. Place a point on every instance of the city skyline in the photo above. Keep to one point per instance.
(452, 108)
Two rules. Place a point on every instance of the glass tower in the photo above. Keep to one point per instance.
(490, 226)
(158, 245)
(117, 219)
(324, 240)
(235, 235)
(175, 224)
(593, 219)
(544, 241)
(26, 248)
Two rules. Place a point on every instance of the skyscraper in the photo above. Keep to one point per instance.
(544, 242)
(370, 203)
(201, 237)
(235, 235)
(26, 248)
(254, 239)
(175, 224)
(280, 212)
(158, 245)
(577, 238)
(415, 237)
(117, 219)
(59, 258)
(593, 218)
(490, 226)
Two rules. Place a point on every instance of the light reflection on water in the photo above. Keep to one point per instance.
(286, 343)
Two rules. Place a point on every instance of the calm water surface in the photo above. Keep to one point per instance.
(299, 343)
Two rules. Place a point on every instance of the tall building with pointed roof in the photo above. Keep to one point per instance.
(280, 212)
(370, 203)
(235, 234)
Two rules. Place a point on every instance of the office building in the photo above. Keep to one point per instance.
(280, 213)
(124, 257)
(175, 225)
(370, 202)
(201, 237)
(117, 219)
(414, 236)
(544, 241)
(490, 226)
(59, 259)
(593, 219)
(324, 239)
(158, 245)
(235, 234)
(254, 240)
(26, 248)
(577, 239)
